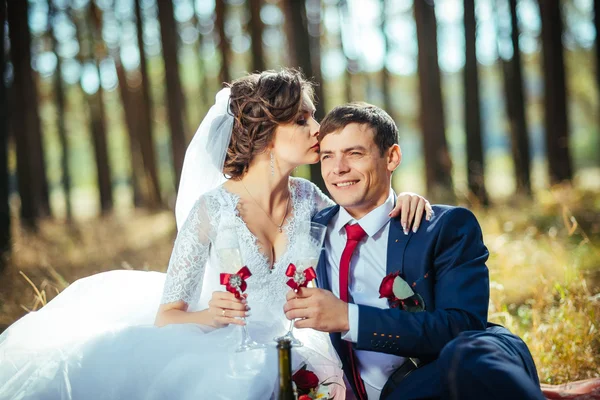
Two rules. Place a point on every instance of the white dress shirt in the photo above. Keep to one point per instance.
(367, 270)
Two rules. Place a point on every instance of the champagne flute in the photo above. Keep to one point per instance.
(233, 275)
(310, 238)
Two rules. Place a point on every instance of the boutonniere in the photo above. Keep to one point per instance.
(399, 294)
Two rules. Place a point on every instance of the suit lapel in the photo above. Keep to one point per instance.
(397, 242)
(323, 218)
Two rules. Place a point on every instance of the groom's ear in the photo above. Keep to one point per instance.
(394, 157)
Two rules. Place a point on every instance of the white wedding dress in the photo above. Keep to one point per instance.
(96, 340)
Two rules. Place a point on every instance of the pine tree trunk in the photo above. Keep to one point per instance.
(5, 242)
(98, 115)
(224, 48)
(59, 93)
(204, 85)
(26, 129)
(144, 122)
(174, 94)
(351, 64)
(137, 165)
(555, 95)
(597, 26)
(306, 56)
(256, 31)
(475, 159)
(385, 73)
(438, 164)
(513, 81)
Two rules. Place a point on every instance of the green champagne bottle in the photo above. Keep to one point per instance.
(284, 349)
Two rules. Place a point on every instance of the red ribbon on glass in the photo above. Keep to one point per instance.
(236, 283)
(299, 279)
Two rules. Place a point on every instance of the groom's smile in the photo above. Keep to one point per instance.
(345, 184)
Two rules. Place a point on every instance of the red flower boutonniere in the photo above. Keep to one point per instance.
(400, 294)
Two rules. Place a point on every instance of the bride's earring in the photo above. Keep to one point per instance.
(272, 165)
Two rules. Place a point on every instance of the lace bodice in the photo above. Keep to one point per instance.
(193, 272)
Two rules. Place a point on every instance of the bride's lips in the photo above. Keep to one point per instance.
(315, 147)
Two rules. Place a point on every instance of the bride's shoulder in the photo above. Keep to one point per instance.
(302, 185)
(217, 195)
(212, 201)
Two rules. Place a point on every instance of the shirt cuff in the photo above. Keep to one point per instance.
(352, 334)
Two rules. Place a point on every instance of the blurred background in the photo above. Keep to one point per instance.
(497, 102)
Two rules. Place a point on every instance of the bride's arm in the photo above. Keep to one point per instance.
(186, 273)
(176, 312)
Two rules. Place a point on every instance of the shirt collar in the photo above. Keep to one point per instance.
(372, 222)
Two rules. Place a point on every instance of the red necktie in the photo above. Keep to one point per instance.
(354, 234)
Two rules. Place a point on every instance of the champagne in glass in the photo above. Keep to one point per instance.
(230, 262)
(309, 243)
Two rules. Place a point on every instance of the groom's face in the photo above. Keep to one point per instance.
(355, 172)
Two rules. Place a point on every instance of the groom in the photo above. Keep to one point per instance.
(425, 334)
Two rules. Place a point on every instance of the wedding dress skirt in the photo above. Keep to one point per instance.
(96, 340)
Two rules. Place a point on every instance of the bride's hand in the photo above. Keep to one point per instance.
(223, 307)
(410, 206)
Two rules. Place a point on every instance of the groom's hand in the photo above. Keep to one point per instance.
(317, 309)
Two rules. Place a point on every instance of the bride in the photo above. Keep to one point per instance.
(102, 337)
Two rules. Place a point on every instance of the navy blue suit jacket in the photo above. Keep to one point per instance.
(444, 262)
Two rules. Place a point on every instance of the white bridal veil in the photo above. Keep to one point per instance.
(203, 164)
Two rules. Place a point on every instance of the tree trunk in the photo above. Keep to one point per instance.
(306, 56)
(597, 26)
(30, 154)
(256, 31)
(59, 92)
(475, 160)
(515, 102)
(220, 10)
(5, 243)
(144, 123)
(385, 73)
(555, 95)
(97, 115)
(204, 85)
(351, 63)
(174, 94)
(438, 164)
(137, 165)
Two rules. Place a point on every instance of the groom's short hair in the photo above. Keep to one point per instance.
(384, 128)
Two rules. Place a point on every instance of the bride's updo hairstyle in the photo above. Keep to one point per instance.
(259, 103)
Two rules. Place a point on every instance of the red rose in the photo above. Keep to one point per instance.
(386, 289)
(305, 380)
(304, 397)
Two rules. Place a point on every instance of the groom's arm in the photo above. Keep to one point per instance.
(461, 294)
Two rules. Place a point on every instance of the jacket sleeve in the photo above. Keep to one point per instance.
(461, 293)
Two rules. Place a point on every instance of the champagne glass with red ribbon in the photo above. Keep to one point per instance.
(306, 253)
(233, 275)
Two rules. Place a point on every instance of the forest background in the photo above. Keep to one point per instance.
(497, 103)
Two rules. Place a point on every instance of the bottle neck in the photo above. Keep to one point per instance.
(286, 391)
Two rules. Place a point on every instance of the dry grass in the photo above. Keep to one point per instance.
(544, 267)
(545, 280)
(45, 263)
